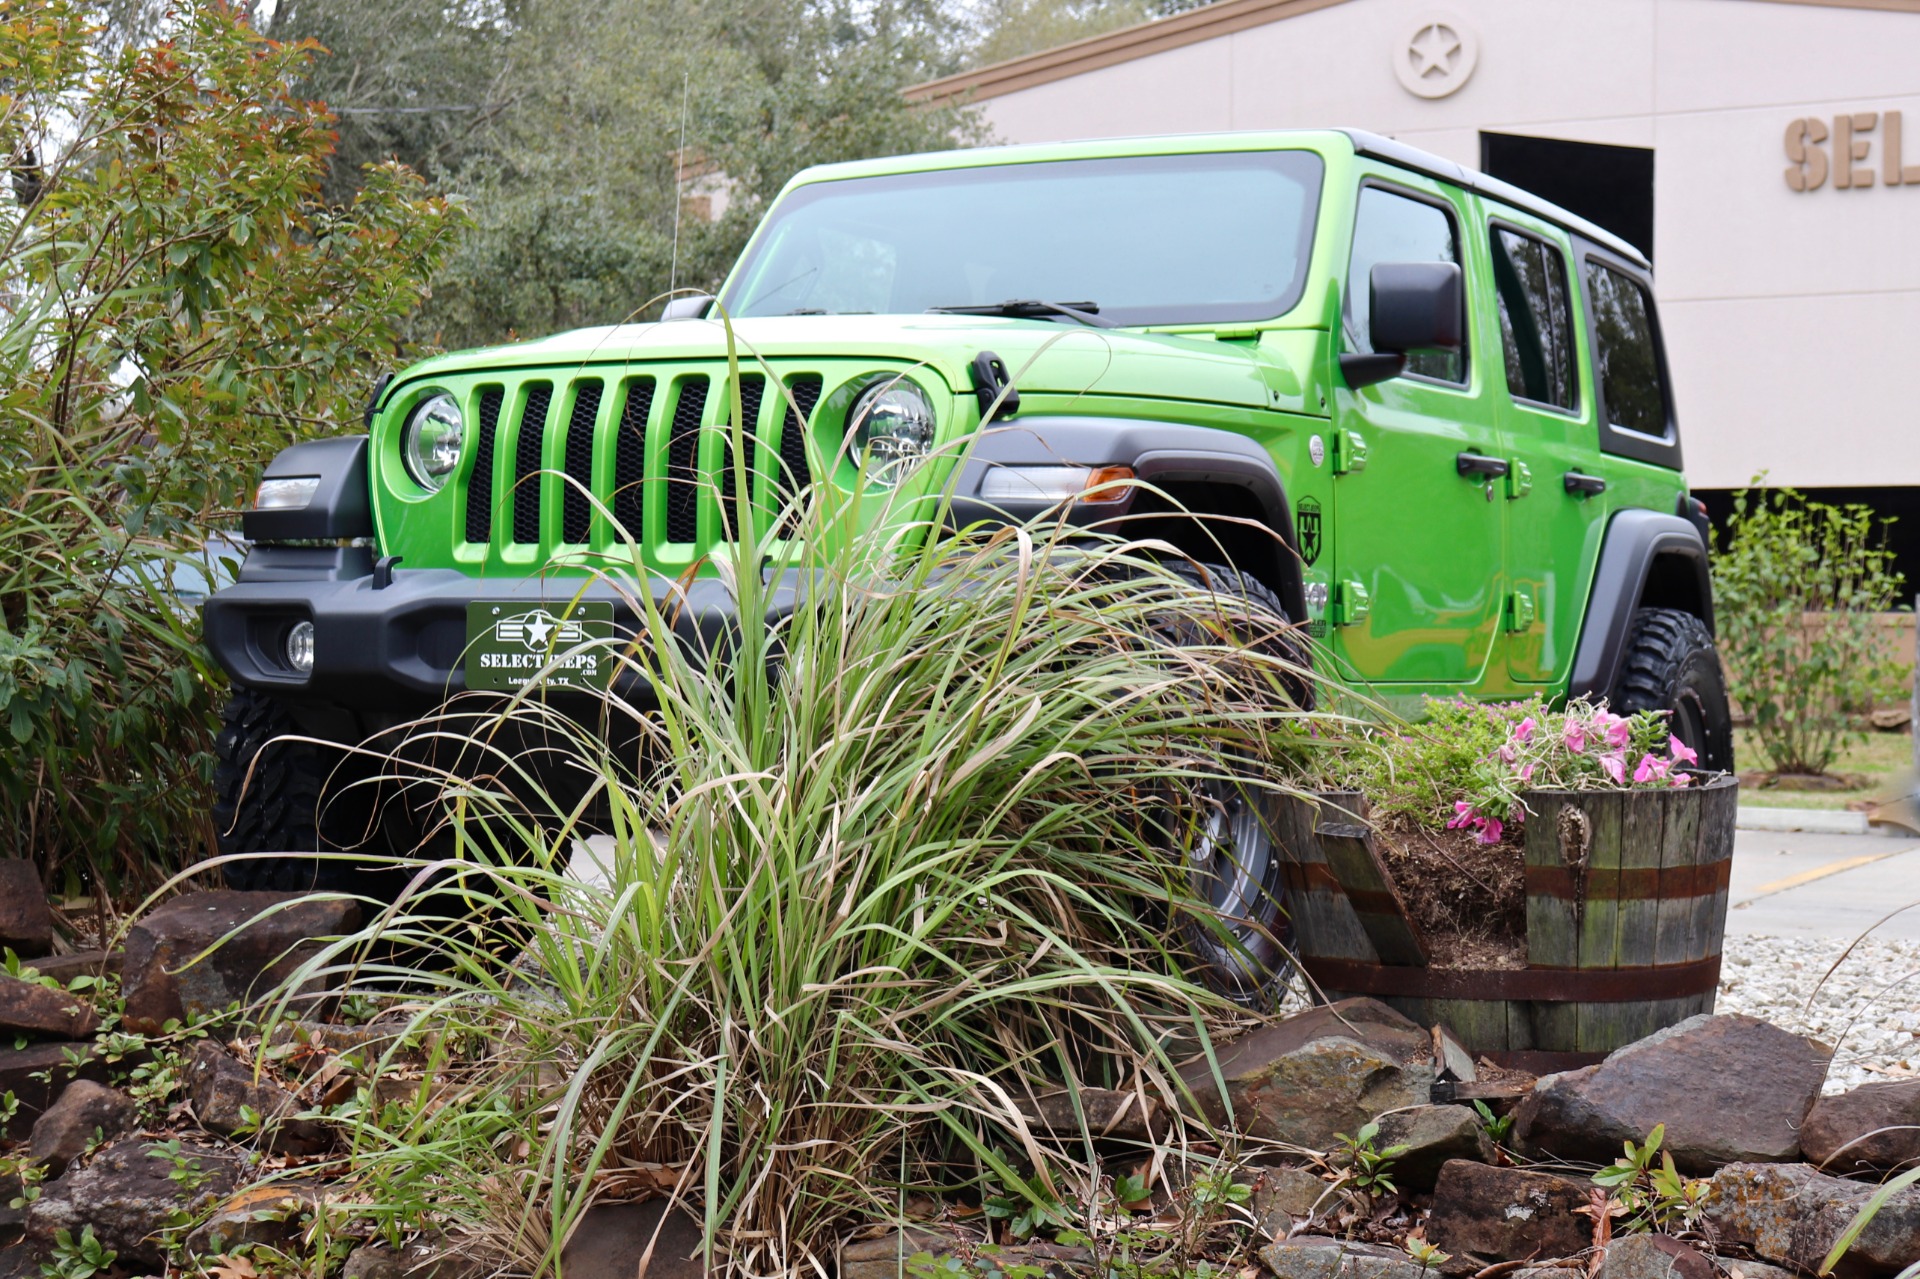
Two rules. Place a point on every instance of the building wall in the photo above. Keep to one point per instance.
(1792, 318)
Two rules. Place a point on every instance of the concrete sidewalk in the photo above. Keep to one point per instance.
(1800, 884)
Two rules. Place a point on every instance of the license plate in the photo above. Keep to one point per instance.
(512, 645)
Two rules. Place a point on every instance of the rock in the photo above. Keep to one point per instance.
(304, 1046)
(1729, 1089)
(81, 963)
(1793, 1214)
(37, 1074)
(1433, 1135)
(1654, 1257)
(26, 921)
(86, 1112)
(128, 1195)
(1486, 1215)
(1329, 1070)
(885, 1256)
(1285, 1197)
(221, 1087)
(1312, 1257)
(169, 973)
(612, 1241)
(1119, 1116)
(21, 1261)
(270, 1216)
(28, 1008)
(1876, 1126)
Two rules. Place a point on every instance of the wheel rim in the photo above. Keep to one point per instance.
(1229, 862)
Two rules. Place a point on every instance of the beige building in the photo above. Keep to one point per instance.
(1766, 153)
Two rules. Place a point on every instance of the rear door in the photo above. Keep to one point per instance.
(1556, 502)
(1417, 542)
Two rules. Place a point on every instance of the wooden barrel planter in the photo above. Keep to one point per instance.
(1626, 909)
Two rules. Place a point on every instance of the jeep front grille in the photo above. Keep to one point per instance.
(647, 447)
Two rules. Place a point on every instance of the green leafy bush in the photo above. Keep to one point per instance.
(1796, 585)
(176, 304)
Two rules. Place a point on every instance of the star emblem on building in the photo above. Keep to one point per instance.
(1434, 50)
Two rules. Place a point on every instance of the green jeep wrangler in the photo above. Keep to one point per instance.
(1425, 415)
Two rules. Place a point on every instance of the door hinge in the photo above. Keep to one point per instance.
(1349, 452)
(1351, 604)
(1519, 610)
(1519, 480)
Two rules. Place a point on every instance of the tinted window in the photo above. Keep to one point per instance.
(1629, 372)
(1536, 326)
(1395, 228)
(1149, 239)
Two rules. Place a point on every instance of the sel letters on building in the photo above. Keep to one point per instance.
(1851, 164)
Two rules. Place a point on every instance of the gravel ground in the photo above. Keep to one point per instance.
(1869, 1009)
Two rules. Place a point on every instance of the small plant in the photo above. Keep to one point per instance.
(1796, 585)
(1025, 1210)
(1425, 1253)
(1367, 1168)
(1495, 1126)
(187, 1171)
(80, 1258)
(1653, 1196)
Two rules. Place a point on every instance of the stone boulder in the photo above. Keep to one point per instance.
(1329, 1070)
(1484, 1216)
(1285, 1197)
(223, 1089)
(26, 921)
(885, 1255)
(651, 1240)
(1433, 1135)
(86, 1112)
(1655, 1257)
(37, 1074)
(1729, 1089)
(1874, 1127)
(131, 1198)
(28, 1008)
(1117, 1116)
(1793, 1214)
(273, 1215)
(202, 952)
(1314, 1257)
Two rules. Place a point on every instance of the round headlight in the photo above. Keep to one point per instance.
(431, 443)
(896, 424)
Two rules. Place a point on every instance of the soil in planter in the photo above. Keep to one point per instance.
(1468, 899)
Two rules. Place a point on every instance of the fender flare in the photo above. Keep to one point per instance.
(1636, 540)
(1158, 452)
(341, 507)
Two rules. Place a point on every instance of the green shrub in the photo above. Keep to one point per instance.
(1796, 586)
(176, 306)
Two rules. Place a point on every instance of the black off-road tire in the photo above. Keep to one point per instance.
(1244, 873)
(276, 807)
(1671, 665)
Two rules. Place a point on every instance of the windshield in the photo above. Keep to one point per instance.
(1180, 239)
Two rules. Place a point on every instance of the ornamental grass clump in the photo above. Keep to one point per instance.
(873, 878)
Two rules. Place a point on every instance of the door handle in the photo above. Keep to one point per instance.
(1481, 464)
(1586, 484)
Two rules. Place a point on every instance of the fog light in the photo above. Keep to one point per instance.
(300, 647)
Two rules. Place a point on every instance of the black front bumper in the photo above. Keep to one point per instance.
(390, 654)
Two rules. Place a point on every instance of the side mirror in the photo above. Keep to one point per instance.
(1416, 306)
(692, 307)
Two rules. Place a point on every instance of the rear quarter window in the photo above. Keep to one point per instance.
(1633, 391)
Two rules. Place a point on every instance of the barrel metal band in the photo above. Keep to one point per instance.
(1630, 883)
(1565, 985)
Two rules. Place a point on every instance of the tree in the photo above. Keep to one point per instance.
(1013, 28)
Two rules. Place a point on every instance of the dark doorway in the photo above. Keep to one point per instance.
(1609, 186)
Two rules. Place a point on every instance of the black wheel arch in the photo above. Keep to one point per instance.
(1224, 496)
(1649, 559)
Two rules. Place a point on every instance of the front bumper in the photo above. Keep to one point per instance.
(392, 653)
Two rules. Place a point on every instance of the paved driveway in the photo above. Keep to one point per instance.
(1793, 884)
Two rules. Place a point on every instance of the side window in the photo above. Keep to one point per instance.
(1629, 373)
(1397, 228)
(1536, 325)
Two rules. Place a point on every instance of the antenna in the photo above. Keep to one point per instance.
(679, 166)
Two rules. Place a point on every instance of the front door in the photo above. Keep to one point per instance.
(1418, 505)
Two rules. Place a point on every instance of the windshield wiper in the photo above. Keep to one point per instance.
(1087, 313)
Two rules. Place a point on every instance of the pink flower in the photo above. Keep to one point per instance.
(1526, 771)
(1523, 731)
(1490, 829)
(1679, 778)
(1575, 737)
(1506, 754)
(1618, 731)
(1681, 752)
(1650, 769)
(1614, 763)
(1463, 815)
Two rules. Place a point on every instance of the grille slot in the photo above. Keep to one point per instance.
(630, 460)
(753, 389)
(683, 453)
(795, 475)
(529, 446)
(480, 479)
(576, 510)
